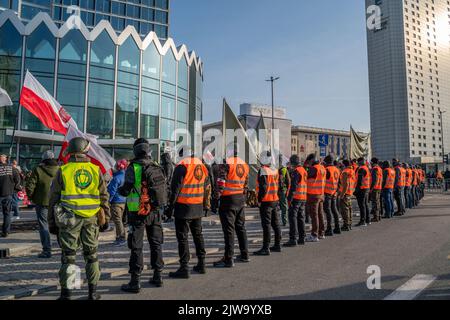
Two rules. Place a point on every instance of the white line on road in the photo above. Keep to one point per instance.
(411, 289)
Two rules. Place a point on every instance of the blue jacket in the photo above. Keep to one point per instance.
(113, 187)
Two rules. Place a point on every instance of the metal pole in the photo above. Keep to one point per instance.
(272, 80)
(442, 138)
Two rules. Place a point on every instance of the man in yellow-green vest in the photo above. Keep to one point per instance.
(78, 201)
(285, 185)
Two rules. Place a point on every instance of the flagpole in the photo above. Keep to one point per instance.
(16, 120)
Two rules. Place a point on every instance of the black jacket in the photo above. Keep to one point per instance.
(183, 211)
(9, 180)
(168, 167)
(128, 184)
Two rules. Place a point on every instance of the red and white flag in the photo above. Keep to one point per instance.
(39, 102)
(98, 155)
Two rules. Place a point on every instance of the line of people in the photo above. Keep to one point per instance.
(79, 204)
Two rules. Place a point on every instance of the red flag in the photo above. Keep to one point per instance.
(40, 103)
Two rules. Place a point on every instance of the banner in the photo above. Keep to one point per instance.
(360, 146)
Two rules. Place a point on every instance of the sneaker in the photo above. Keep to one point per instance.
(301, 242)
(322, 237)
(224, 263)
(45, 255)
(311, 238)
(17, 217)
(361, 224)
(120, 242)
(242, 258)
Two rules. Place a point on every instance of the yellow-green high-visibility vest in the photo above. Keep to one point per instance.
(135, 195)
(81, 194)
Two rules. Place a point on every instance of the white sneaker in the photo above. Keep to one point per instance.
(322, 237)
(311, 238)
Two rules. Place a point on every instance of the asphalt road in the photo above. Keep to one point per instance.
(335, 268)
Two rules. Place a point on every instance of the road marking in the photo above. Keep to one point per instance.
(411, 289)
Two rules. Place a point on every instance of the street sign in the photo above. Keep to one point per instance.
(324, 140)
(323, 151)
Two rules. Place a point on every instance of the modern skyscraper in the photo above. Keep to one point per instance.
(144, 15)
(409, 75)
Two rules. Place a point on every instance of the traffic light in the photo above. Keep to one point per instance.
(446, 159)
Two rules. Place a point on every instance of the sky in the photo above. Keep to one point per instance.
(317, 47)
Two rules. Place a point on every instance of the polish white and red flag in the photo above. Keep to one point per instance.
(98, 155)
(39, 102)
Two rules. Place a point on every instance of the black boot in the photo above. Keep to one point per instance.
(262, 252)
(276, 248)
(93, 295)
(290, 244)
(329, 233)
(134, 286)
(200, 267)
(66, 294)
(157, 279)
(337, 230)
(182, 273)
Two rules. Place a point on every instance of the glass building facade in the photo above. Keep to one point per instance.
(144, 15)
(117, 87)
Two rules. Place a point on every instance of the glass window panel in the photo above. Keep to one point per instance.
(182, 112)
(150, 103)
(10, 40)
(41, 44)
(100, 122)
(101, 95)
(149, 127)
(168, 108)
(167, 129)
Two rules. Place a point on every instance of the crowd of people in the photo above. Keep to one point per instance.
(75, 202)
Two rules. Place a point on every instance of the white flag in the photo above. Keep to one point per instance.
(5, 100)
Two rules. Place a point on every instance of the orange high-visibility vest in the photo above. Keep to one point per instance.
(273, 178)
(332, 183)
(237, 176)
(415, 181)
(409, 177)
(402, 179)
(365, 183)
(302, 188)
(317, 186)
(193, 189)
(422, 176)
(379, 173)
(390, 179)
(350, 180)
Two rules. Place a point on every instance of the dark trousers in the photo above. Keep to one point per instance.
(297, 220)
(233, 221)
(6, 203)
(363, 203)
(270, 219)
(408, 198)
(331, 211)
(182, 227)
(375, 196)
(399, 195)
(152, 225)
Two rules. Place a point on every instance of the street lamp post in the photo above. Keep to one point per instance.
(272, 80)
(442, 138)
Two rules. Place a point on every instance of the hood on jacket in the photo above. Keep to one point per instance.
(50, 167)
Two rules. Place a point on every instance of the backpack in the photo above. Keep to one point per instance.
(156, 180)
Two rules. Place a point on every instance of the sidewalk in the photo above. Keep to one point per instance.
(25, 275)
